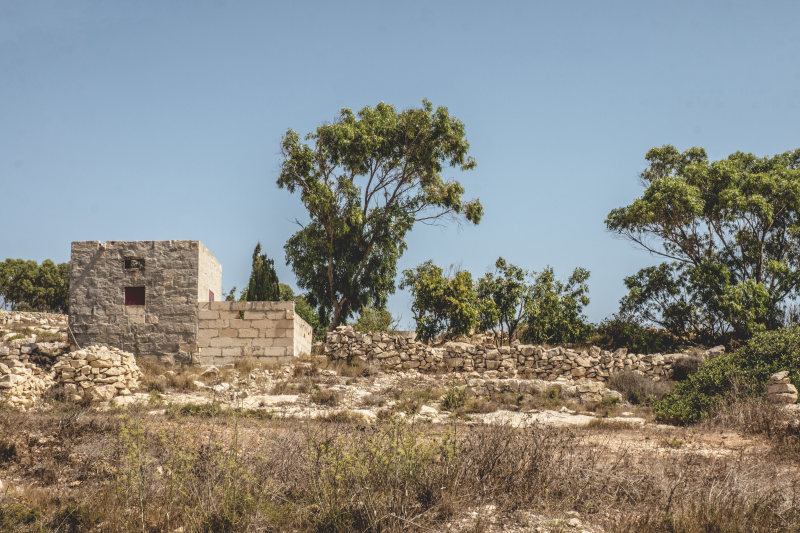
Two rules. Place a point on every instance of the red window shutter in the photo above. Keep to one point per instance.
(134, 295)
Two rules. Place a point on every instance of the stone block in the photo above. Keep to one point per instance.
(283, 342)
(230, 315)
(205, 335)
(263, 341)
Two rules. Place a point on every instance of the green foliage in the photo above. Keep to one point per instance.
(620, 332)
(441, 304)
(365, 180)
(29, 286)
(547, 310)
(231, 294)
(263, 285)
(372, 319)
(554, 309)
(504, 296)
(454, 398)
(730, 231)
(746, 370)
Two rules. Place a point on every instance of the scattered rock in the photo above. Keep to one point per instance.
(210, 371)
(780, 390)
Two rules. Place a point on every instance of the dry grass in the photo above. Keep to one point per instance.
(161, 378)
(327, 397)
(202, 468)
(756, 416)
(638, 389)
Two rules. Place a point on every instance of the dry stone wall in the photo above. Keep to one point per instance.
(263, 330)
(403, 352)
(34, 358)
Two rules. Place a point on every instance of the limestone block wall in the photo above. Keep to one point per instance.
(403, 352)
(263, 330)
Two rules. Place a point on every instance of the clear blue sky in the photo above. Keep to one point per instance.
(162, 120)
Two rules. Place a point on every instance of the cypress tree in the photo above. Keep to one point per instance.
(263, 286)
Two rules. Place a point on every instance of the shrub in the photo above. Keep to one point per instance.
(637, 388)
(618, 332)
(325, 397)
(748, 368)
(373, 319)
(684, 367)
(453, 398)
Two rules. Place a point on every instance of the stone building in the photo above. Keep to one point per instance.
(160, 298)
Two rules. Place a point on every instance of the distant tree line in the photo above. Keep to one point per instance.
(510, 302)
(26, 285)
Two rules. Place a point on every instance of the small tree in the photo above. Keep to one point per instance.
(441, 304)
(373, 319)
(263, 285)
(554, 311)
(504, 295)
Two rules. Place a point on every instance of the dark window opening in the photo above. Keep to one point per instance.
(210, 296)
(134, 263)
(134, 295)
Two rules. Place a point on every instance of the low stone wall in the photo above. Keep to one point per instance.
(403, 352)
(270, 331)
(22, 383)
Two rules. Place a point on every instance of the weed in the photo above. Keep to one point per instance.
(373, 400)
(672, 443)
(50, 336)
(454, 398)
(327, 397)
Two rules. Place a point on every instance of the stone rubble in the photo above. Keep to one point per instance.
(21, 384)
(30, 366)
(780, 390)
(97, 372)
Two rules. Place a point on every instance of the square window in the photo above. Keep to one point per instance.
(134, 263)
(210, 296)
(134, 295)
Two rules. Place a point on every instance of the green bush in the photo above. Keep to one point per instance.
(374, 320)
(746, 370)
(454, 398)
(618, 332)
